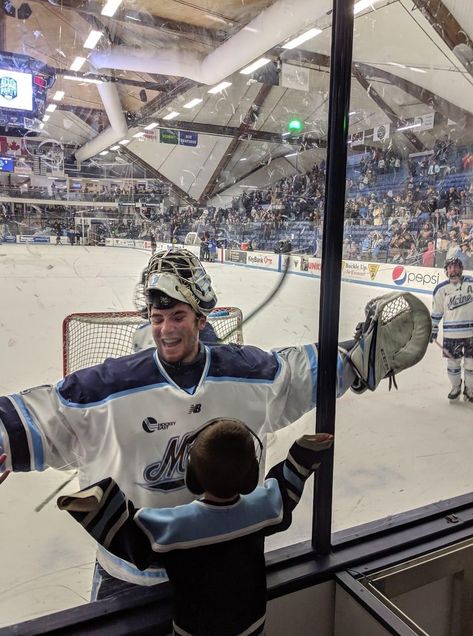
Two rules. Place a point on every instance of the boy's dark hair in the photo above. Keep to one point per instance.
(223, 459)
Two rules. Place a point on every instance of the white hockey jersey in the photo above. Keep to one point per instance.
(127, 419)
(453, 302)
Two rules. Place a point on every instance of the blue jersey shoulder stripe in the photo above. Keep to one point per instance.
(113, 378)
(242, 362)
(17, 438)
(440, 285)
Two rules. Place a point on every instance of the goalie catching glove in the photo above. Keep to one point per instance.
(394, 337)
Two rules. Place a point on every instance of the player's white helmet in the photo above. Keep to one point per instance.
(178, 274)
(139, 298)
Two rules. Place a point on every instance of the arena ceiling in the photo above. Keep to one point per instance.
(411, 57)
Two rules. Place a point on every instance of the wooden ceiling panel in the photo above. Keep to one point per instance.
(203, 13)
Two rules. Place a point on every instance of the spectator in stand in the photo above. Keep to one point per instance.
(428, 257)
(425, 236)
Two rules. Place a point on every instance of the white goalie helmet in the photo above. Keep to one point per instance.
(139, 298)
(178, 274)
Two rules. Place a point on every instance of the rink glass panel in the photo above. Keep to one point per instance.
(52, 570)
(408, 185)
(394, 451)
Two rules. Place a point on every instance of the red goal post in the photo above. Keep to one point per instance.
(90, 338)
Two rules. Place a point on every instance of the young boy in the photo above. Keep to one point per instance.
(212, 548)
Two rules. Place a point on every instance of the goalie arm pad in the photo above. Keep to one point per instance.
(394, 337)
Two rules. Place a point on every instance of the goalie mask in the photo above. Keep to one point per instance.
(178, 275)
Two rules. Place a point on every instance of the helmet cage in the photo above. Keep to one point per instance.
(179, 274)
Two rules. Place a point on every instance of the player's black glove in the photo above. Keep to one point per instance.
(433, 336)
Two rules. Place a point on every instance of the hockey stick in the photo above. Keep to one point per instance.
(446, 353)
(40, 506)
(272, 294)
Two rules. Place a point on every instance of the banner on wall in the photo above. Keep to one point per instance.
(262, 259)
(391, 275)
(357, 139)
(426, 121)
(295, 261)
(381, 133)
(235, 256)
(34, 239)
(295, 77)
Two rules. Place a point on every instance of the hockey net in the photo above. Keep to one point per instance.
(90, 338)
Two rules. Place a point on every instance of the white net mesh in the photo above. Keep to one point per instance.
(90, 338)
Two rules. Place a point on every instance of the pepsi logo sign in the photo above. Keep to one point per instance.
(399, 275)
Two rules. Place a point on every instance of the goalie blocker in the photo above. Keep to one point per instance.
(394, 337)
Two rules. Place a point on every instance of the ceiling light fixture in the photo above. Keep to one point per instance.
(123, 142)
(151, 126)
(104, 152)
(92, 39)
(364, 4)
(110, 7)
(416, 70)
(77, 63)
(172, 115)
(87, 80)
(51, 108)
(219, 87)
(409, 127)
(58, 95)
(255, 65)
(291, 154)
(139, 134)
(193, 102)
(308, 35)
(115, 147)
(46, 117)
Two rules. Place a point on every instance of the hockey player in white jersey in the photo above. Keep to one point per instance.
(453, 303)
(133, 418)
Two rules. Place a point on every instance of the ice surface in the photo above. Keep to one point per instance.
(394, 451)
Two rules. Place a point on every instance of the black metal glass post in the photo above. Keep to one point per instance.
(339, 102)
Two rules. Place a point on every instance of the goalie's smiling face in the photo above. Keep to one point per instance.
(176, 332)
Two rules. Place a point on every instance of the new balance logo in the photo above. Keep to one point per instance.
(194, 408)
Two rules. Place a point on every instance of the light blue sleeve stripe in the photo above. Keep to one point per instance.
(108, 398)
(35, 435)
(310, 350)
(293, 479)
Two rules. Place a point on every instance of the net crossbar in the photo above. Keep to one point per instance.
(91, 338)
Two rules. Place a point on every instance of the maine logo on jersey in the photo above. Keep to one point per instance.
(8, 88)
(167, 474)
(399, 275)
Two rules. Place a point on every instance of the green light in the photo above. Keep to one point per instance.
(295, 126)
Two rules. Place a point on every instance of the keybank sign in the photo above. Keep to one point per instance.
(410, 277)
